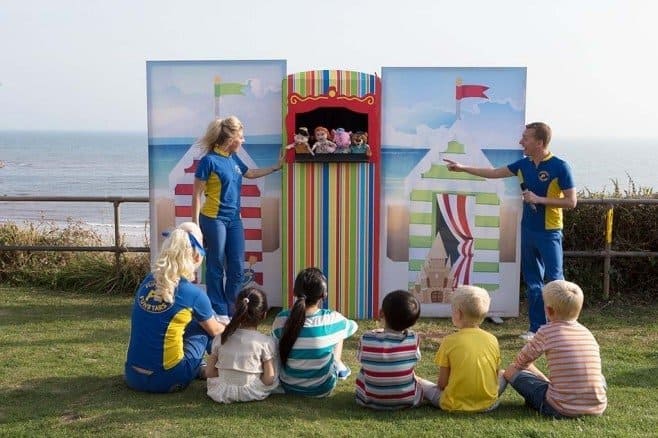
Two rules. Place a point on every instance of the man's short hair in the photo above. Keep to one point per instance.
(542, 131)
(401, 310)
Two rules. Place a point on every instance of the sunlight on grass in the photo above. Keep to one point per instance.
(62, 363)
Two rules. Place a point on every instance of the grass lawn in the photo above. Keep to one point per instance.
(61, 365)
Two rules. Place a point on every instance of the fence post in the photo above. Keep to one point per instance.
(117, 238)
(608, 247)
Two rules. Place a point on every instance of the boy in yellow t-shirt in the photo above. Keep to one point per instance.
(468, 360)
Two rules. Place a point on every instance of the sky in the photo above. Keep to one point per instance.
(81, 65)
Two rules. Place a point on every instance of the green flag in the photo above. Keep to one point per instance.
(226, 88)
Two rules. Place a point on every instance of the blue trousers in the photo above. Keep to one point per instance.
(533, 390)
(541, 261)
(195, 342)
(224, 241)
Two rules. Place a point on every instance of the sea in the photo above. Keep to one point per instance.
(67, 163)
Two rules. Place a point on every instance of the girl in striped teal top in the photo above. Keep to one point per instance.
(311, 339)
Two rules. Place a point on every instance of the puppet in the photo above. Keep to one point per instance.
(359, 143)
(322, 144)
(300, 143)
(342, 140)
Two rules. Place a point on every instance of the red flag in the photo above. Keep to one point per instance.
(463, 91)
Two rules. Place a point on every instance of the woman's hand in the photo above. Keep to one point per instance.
(282, 160)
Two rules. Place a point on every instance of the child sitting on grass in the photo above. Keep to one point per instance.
(575, 385)
(389, 355)
(242, 363)
(468, 360)
(311, 339)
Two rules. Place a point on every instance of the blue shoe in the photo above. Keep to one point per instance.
(344, 372)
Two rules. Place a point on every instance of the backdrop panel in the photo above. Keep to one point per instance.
(441, 228)
(183, 97)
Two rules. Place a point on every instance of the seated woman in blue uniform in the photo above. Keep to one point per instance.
(172, 320)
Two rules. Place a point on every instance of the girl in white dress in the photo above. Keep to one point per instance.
(242, 363)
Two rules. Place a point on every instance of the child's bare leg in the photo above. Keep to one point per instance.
(431, 391)
(210, 370)
(342, 370)
(338, 352)
(502, 382)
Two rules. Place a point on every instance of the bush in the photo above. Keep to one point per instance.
(75, 271)
(635, 228)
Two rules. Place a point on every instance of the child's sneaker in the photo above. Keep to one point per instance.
(527, 336)
(502, 384)
(343, 371)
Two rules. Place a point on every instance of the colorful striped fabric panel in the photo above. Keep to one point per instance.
(328, 222)
(318, 82)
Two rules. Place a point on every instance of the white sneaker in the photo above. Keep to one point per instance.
(495, 319)
(343, 371)
(502, 385)
(527, 336)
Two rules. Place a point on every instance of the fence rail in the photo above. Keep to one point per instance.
(607, 253)
(116, 202)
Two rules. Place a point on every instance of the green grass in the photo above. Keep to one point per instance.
(61, 365)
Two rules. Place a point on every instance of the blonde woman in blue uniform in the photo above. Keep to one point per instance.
(219, 175)
(172, 321)
(548, 187)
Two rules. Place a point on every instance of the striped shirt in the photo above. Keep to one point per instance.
(577, 386)
(387, 379)
(310, 368)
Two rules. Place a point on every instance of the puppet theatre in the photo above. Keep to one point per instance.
(364, 194)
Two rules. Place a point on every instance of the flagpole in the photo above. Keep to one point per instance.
(458, 83)
(218, 80)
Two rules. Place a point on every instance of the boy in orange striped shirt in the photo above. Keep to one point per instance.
(575, 385)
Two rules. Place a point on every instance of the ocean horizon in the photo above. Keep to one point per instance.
(97, 163)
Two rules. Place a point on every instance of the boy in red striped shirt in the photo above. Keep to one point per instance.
(575, 385)
(388, 357)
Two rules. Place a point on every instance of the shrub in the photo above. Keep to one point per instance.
(76, 271)
(635, 228)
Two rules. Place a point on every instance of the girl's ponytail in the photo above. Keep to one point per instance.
(236, 320)
(292, 327)
(310, 287)
(250, 309)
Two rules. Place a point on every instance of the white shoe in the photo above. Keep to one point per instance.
(527, 336)
(502, 385)
(343, 372)
(495, 319)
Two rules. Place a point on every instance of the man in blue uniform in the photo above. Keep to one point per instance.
(547, 185)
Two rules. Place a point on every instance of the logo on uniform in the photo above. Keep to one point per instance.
(543, 176)
(237, 169)
(152, 302)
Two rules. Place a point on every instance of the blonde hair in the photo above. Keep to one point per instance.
(219, 133)
(565, 298)
(176, 260)
(473, 302)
